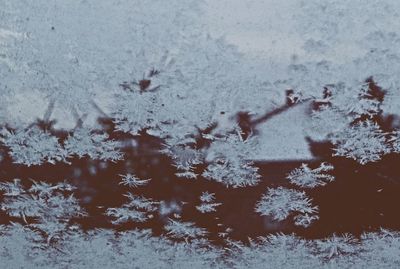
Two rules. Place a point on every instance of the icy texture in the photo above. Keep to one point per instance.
(184, 230)
(280, 203)
(228, 164)
(33, 146)
(132, 181)
(310, 178)
(364, 142)
(51, 205)
(207, 203)
(97, 146)
(138, 209)
(185, 159)
(152, 66)
(335, 246)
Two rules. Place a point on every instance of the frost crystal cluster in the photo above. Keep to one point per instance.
(133, 181)
(207, 203)
(97, 146)
(228, 164)
(33, 146)
(184, 230)
(280, 203)
(43, 207)
(138, 209)
(364, 142)
(310, 178)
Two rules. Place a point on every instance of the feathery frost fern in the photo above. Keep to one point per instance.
(280, 203)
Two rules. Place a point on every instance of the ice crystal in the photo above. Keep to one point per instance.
(280, 202)
(310, 178)
(125, 214)
(207, 197)
(52, 205)
(228, 164)
(138, 111)
(207, 203)
(364, 142)
(132, 181)
(33, 146)
(184, 230)
(335, 245)
(305, 220)
(12, 189)
(138, 209)
(185, 159)
(97, 146)
(232, 174)
(362, 104)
